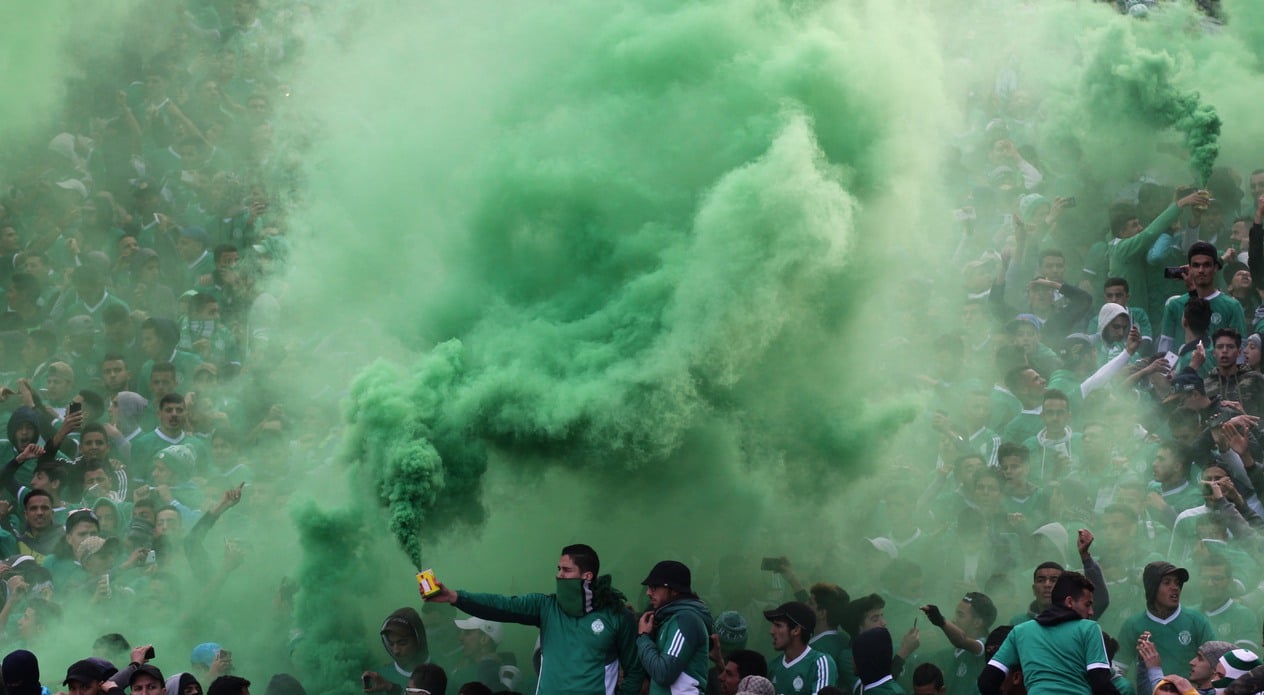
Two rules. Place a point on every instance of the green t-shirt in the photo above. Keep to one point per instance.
(1234, 622)
(1055, 659)
(1182, 497)
(838, 645)
(807, 674)
(1005, 406)
(886, 686)
(1226, 312)
(1024, 425)
(961, 670)
(146, 446)
(1176, 639)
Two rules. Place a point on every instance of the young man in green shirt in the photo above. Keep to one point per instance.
(830, 602)
(1226, 312)
(971, 622)
(1232, 621)
(1174, 631)
(1061, 652)
(1126, 252)
(674, 638)
(587, 633)
(801, 670)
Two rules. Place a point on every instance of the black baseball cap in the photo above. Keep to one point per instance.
(1185, 383)
(85, 671)
(795, 613)
(671, 574)
(148, 670)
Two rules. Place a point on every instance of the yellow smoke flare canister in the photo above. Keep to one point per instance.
(427, 582)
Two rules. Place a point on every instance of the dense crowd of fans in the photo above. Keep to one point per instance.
(1098, 406)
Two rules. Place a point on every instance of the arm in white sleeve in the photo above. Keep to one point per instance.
(1099, 378)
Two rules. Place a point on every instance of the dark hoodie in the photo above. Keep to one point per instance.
(14, 475)
(1056, 615)
(407, 620)
(678, 652)
(20, 474)
(873, 651)
(1153, 576)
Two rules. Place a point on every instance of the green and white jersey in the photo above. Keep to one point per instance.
(838, 646)
(961, 669)
(146, 446)
(1184, 533)
(985, 442)
(1226, 312)
(1005, 406)
(1234, 622)
(1176, 637)
(1180, 498)
(1024, 425)
(808, 673)
(884, 686)
(1055, 659)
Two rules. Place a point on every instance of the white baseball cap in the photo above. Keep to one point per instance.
(487, 627)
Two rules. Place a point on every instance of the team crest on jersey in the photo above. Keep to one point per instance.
(961, 670)
(1184, 637)
(1215, 319)
(798, 683)
(599, 627)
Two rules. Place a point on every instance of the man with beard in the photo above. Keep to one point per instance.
(674, 636)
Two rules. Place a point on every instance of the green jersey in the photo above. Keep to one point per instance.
(885, 686)
(961, 669)
(147, 445)
(676, 659)
(1126, 258)
(1226, 312)
(1024, 425)
(1055, 658)
(1176, 638)
(808, 673)
(1182, 497)
(579, 656)
(838, 645)
(1233, 622)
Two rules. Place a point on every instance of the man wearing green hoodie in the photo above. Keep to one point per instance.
(1126, 252)
(674, 637)
(587, 633)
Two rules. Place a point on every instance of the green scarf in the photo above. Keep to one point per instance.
(578, 597)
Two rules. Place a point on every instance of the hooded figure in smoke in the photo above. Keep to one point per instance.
(404, 638)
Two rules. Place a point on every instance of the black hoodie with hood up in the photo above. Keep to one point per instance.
(408, 620)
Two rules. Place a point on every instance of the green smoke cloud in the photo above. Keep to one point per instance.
(643, 246)
(1123, 80)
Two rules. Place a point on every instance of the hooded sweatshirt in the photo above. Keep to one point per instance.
(21, 416)
(586, 635)
(676, 657)
(407, 620)
(177, 683)
(873, 651)
(1105, 351)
